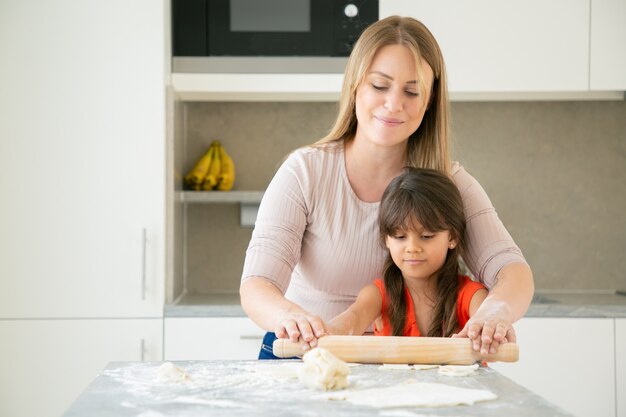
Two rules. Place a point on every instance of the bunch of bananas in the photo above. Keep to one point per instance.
(214, 171)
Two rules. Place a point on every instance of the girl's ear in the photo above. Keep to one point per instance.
(387, 242)
(453, 242)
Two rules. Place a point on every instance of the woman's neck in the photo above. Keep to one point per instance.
(370, 168)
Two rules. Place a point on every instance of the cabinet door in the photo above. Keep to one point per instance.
(620, 366)
(568, 361)
(46, 364)
(83, 168)
(608, 45)
(506, 45)
(211, 338)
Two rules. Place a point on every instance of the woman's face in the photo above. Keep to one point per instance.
(389, 102)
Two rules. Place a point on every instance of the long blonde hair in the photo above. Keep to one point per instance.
(428, 145)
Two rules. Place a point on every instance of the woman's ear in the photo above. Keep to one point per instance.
(452, 243)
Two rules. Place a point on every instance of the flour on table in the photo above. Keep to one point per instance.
(168, 372)
(457, 370)
(281, 371)
(412, 394)
(323, 370)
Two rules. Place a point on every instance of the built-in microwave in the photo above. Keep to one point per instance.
(270, 28)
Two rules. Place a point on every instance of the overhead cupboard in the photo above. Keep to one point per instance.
(507, 49)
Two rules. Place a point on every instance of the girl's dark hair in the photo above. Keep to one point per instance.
(432, 199)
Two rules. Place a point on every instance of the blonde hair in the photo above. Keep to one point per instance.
(428, 145)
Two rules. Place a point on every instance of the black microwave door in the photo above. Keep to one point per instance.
(270, 27)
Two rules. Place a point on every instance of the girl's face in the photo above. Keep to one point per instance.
(389, 103)
(419, 253)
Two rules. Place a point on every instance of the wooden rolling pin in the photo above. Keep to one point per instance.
(396, 349)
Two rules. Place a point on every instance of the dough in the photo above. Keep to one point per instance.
(419, 367)
(413, 394)
(394, 366)
(457, 370)
(168, 372)
(323, 370)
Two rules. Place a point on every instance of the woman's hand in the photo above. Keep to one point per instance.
(300, 328)
(490, 327)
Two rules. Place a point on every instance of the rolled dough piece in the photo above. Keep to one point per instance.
(323, 370)
(419, 367)
(413, 394)
(457, 370)
(168, 372)
(394, 366)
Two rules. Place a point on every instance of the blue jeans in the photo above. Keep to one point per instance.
(267, 350)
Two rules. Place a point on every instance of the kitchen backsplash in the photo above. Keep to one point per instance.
(555, 171)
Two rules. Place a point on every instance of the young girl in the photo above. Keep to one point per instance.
(421, 292)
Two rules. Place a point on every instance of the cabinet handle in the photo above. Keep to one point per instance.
(144, 240)
(142, 348)
(251, 337)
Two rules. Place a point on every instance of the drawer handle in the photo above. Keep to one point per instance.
(143, 263)
(251, 337)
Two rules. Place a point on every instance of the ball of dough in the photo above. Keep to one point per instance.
(168, 372)
(323, 370)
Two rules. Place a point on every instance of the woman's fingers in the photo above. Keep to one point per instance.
(302, 329)
(487, 336)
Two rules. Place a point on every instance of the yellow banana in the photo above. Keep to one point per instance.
(227, 174)
(212, 177)
(200, 170)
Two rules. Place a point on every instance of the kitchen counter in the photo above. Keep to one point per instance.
(237, 388)
(598, 304)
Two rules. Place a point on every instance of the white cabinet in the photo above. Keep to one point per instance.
(46, 364)
(208, 338)
(507, 45)
(608, 45)
(620, 366)
(568, 361)
(82, 122)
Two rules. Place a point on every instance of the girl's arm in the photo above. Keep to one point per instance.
(360, 315)
(477, 299)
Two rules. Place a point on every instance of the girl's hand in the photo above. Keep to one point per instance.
(489, 327)
(301, 328)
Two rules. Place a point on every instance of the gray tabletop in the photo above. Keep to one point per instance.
(237, 388)
(573, 304)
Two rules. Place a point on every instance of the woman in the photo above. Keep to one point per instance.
(315, 242)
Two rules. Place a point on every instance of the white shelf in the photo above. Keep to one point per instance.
(213, 197)
(327, 88)
(257, 87)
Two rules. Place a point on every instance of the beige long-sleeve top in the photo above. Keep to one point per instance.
(319, 243)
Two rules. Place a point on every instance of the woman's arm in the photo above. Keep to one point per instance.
(360, 315)
(495, 259)
(506, 303)
(266, 305)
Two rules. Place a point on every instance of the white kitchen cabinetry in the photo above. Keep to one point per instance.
(207, 338)
(82, 122)
(568, 361)
(608, 45)
(507, 46)
(620, 365)
(46, 364)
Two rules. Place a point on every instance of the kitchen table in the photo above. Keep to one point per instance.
(244, 388)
